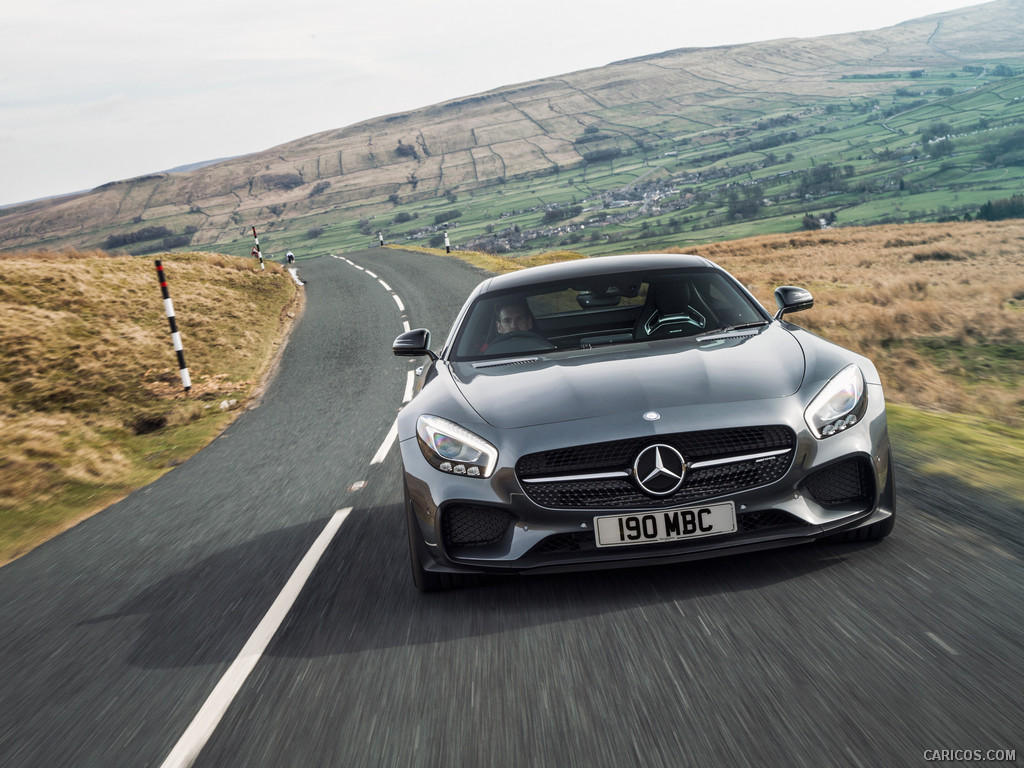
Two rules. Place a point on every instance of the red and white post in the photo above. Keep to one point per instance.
(186, 380)
(256, 248)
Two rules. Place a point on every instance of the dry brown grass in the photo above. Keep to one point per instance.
(88, 375)
(497, 263)
(938, 307)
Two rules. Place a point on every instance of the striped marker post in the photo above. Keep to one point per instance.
(256, 248)
(175, 336)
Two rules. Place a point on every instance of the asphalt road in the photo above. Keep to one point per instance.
(114, 634)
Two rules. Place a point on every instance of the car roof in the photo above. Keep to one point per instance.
(589, 267)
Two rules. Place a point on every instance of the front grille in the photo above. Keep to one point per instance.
(761, 522)
(466, 526)
(848, 482)
(739, 452)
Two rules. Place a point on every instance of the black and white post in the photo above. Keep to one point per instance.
(447, 243)
(256, 248)
(175, 336)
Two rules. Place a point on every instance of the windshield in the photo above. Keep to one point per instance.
(608, 309)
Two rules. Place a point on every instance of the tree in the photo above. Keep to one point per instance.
(811, 222)
(441, 218)
(1006, 208)
(943, 148)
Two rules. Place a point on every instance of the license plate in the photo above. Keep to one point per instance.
(666, 525)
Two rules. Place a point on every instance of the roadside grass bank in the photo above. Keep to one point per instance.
(91, 400)
(975, 452)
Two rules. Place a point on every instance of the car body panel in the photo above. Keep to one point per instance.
(653, 375)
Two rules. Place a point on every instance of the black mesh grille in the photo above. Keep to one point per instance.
(848, 482)
(622, 493)
(465, 526)
(746, 523)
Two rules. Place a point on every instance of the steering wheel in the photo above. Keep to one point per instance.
(520, 341)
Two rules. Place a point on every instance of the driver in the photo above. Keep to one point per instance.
(514, 316)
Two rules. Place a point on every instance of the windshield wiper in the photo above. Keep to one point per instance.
(740, 327)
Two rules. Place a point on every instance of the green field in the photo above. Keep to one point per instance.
(864, 161)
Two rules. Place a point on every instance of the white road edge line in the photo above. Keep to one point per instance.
(205, 723)
(382, 452)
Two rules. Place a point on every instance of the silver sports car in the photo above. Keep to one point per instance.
(630, 410)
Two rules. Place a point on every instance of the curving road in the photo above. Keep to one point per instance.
(157, 630)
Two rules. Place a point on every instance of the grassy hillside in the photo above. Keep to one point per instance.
(91, 404)
(91, 401)
(918, 122)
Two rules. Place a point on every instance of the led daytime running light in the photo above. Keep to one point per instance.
(453, 449)
(839, 405)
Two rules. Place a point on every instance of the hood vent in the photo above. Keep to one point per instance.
(506, 363)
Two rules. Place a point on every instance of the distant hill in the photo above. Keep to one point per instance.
(922, 120)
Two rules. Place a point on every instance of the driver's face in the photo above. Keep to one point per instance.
(514, 318)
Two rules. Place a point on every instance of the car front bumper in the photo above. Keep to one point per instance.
(469, 525)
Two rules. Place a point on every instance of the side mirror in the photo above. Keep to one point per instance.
(413, 344)
(789, 298)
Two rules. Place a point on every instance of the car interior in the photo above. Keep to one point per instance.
(630, 309)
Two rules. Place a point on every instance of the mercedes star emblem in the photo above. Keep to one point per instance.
(659, 469)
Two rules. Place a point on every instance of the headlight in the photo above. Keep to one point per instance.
(839, 405)
(450, 448)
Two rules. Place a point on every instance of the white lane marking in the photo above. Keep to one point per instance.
(410, 379)
(945, 646)
(406, 326)
(382, 452)
(373, 275)
(398, 301)
(205, 723)
(385, 285)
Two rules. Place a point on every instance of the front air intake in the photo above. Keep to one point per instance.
(847, 482)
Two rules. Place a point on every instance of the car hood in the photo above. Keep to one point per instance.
(564, 386)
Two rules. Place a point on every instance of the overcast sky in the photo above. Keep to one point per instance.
(93, 91)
